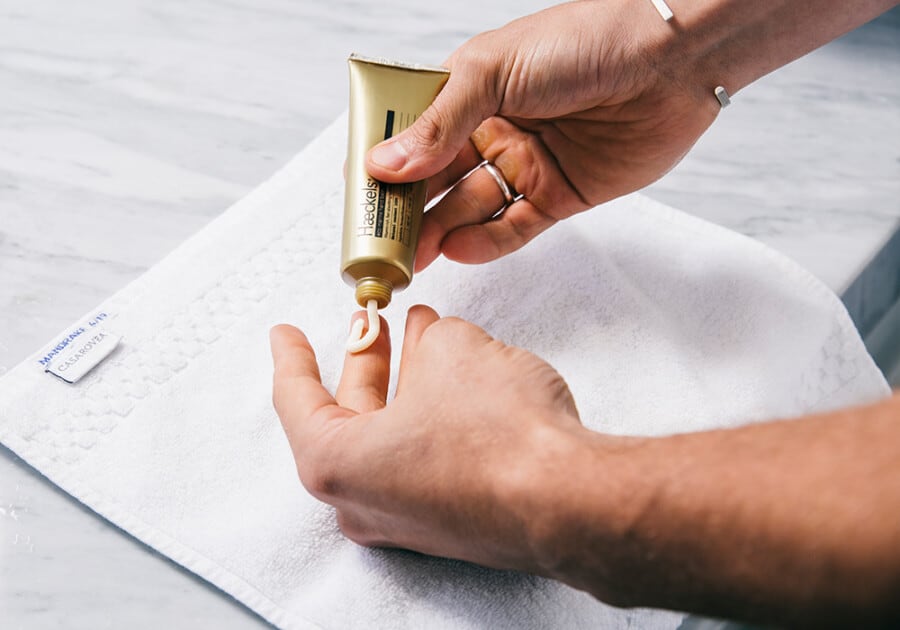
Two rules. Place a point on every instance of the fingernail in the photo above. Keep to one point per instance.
(392, 156)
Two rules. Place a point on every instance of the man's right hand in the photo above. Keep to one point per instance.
(575, 105)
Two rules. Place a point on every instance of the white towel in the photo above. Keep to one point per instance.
(660, 323)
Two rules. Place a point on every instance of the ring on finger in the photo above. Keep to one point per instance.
(509, 193)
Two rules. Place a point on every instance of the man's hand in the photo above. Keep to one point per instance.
(455, 464)
(584, 102)
(481, 457)
(575, 105)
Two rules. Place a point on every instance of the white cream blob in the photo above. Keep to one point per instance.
(359, 342)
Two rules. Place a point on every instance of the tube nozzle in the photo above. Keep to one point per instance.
(372, 288)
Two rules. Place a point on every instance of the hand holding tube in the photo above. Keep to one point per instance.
(570, 108)
(584, 102)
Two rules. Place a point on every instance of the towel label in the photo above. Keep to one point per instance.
(80, 350)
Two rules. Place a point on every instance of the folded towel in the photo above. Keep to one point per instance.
(659, 322)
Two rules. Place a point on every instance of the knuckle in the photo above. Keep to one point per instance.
(319, 478)
(520, 158)
(477, 58)
(453, 332)
(429, 130)
(348, 527)
(444, 326)
(354, 530)
(481, 54)
(490, 59)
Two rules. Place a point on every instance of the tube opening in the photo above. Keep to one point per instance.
(372, 288)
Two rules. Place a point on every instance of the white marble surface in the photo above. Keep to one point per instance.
(126, 126)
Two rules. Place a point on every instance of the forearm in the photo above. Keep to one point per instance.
(793, 522)
(733, 42)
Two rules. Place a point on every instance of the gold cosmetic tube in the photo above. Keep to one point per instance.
(381, 221)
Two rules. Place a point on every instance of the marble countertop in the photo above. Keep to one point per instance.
(125, 127)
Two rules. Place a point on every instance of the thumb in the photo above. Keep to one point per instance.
(430, 144)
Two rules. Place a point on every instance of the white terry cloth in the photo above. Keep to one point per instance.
(660, 323)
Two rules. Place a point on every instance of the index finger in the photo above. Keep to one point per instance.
(482, 242)
(364, 380)
(297, 393)
(467, 159)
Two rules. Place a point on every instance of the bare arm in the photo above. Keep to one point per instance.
(733, 43)
(793, 523)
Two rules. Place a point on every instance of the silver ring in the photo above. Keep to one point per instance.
(509, 193)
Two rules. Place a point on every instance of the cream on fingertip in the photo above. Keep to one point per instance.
(359, 342)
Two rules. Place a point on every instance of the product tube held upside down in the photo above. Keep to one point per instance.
(381, 221)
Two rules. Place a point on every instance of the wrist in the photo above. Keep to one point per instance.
(586, 511)
(733, 43)
(675, 54)
(694, 51)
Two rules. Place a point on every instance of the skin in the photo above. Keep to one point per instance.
(481, 455)
(366, 458)
(585, 102)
